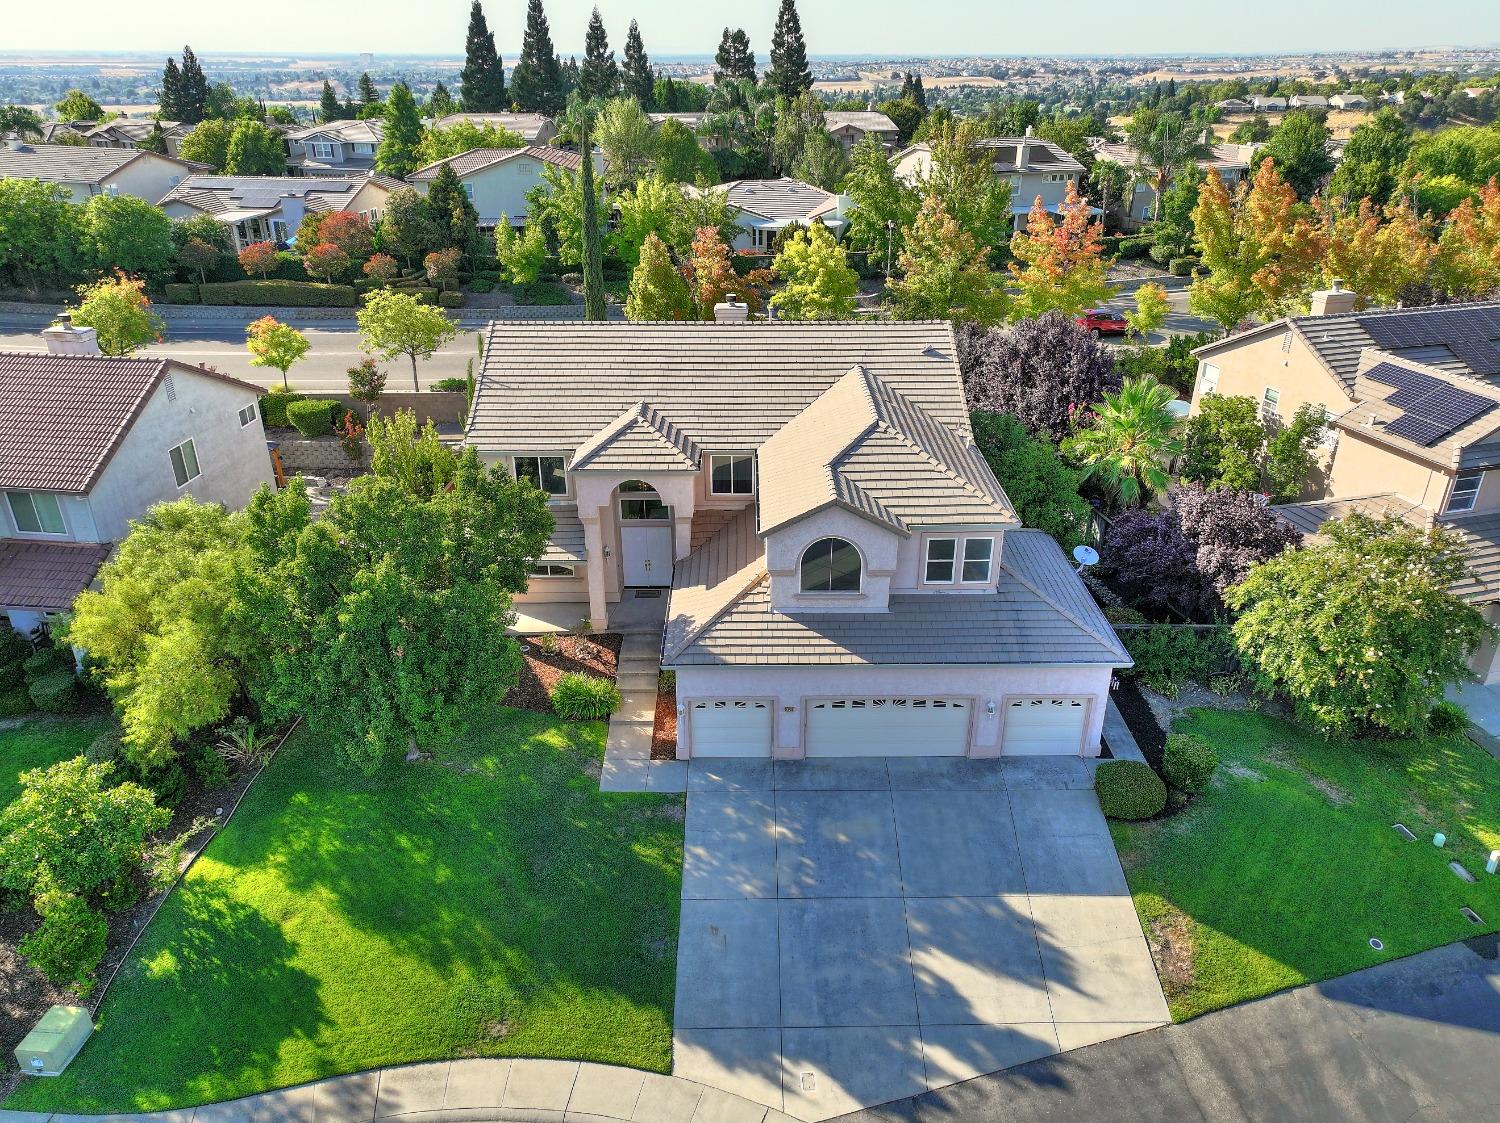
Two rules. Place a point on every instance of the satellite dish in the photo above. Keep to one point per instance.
(1085, 556)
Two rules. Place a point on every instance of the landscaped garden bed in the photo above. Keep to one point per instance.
(547, 658)
(664, 730)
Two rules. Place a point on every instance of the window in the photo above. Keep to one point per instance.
(548, 570)
(364, 149)
(830, 565)
(977, 553)
(184, 463)
(36, 512)
(322, 151)
(544, 472)
(1465, 491)
(731, 473)
(469, 191)
(941, 553)
(247, 415)
(1268, 403)
(633, 509)
(1208, 378)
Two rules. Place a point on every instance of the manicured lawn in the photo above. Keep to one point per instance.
(39, 742)
(1282, 872)
(492, 904)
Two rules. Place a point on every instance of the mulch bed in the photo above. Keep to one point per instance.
(1138, 715)
(664, 735)
(597, 655)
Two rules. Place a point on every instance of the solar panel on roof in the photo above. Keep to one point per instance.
(1417, 430)
(1431, 408)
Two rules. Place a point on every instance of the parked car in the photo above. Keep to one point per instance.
(1102, 321)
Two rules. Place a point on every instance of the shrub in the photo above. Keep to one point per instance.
(582, 697)
(105, 748)
(452, 299)
(207, 765)
(1166, 657)
(313, 417)
(366, 381)
(167, 782)
(1161, 254)
(1137, 246)
(12, 675)
(449, 386)
(1182, 266)
(70, 943)
(45, 660)
(1446, 718)
(180, 294)
(274, 405)
(481, 285)
(55, 693)
(288, 294)
(1129, 789)
(13, 646)
(539, 293)
(16, 703)
(1189, 762)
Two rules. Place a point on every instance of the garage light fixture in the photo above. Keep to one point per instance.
(989, 708)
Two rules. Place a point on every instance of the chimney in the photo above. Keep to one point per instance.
(731, 310)
(64, 338)
(1333, 301)
(1023, 151)
(292, 211)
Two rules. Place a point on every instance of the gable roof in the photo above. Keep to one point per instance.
(778, 199)
(639, 438)
(478, 159)
(70, 163)
(47, 575)
(1041, 155)
(1381, 403)
(77, 411)
(868, 121)
(528, 125)
(864, 447)
(220, 194)
(345, 132)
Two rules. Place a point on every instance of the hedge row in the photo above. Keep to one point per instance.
(273, 407)
(290, 294)
(312, 417)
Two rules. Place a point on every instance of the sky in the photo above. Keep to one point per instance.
(888, 28)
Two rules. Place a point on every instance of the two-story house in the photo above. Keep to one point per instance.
(1412, 398)
(91, 443)
(1034, 168)
(765, 207)
(851, 127)
(496, 180)
(845, 575)
(83, 172)
(334, 149)
(533, 128)
(1233, 162)
(259, 208)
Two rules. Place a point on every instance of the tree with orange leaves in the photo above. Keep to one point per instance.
(1059, 266)
(1468, 252)
(1377, 260)
(711, 276)
(119, 311)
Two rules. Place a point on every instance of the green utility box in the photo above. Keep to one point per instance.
(55, 1041)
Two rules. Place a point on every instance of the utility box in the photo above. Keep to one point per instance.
(55, 1041)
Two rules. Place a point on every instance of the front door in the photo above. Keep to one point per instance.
(646, 552)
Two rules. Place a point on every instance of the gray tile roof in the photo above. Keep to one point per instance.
(47, 575)
(1041, 155)
(67, 163)
(868, 121)
(565, 547)
(640, 438)
(345, 132)
(547, 387)
(1372, 414)
(778, 199)
(477, 159)
(528, 125)
(218, 194)
(1224, 157)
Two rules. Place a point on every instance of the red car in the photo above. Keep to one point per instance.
(1102, 321)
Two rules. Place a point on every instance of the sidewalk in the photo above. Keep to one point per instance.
(628, 766)
(43, 314)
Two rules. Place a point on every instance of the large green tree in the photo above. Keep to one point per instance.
(1223, 442)
(78, 106)
(208, 143)
(962, 176)
(599, 76)
(397, 323)
(40, 235)
(397, 153)
(452, 212)
(790, 74)
(192, 90)
(121, 232)
(536, 82)
(482, 81)
(1042, 487)
(1372, 161)
(557, 203)
(734, 61)
(254, 150)
(945, 275)
(657, 288)
(636, 76)
(817, 282)
(329, 107)
(408, 229)
(1299, 148)
(628, 140)
(169, 96)
(884, 207)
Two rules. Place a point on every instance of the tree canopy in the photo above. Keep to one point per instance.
(482, 80)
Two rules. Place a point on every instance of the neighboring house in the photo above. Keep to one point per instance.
(1308, 101)
(1348, 101)
(692, 122)
(496, 180)
(334, 149)
(768, 206)
(102, 440)
(1262, 104)
(1234, 105)
(1233, 162)
(846, 575)
(1412, 398)
(270, 208)
(849, 128)
(1035, 169)
(122, 133)
(533, 128)
(83, 172)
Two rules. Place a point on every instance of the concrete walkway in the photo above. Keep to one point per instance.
(628, 766)
(1482, 703)
(532, 1091)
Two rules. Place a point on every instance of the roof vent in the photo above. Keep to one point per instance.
(19, 146)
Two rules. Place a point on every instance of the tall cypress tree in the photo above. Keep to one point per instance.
(329, 108)
(483, 76)
(441, 103)
(593, 251)
(169, 98)
(636, 74)
(789, 74)
(599, 77)
(734, 59)
(368, 94)
(456, 218)
(192, 90)
(536, 82)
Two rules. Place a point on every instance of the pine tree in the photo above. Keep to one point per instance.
(918, 91)
(483, 77)
(536, 82)
(192, 90)
(441, 103)
(735, 60)
(567, 75)
(397, 154)
(169, 98)
(599, 77)
(368, 94)
(636, 75)
(329, 108)
(789, 74)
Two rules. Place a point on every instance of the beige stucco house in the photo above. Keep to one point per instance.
(496, 180)
(844, 574)
(1034, 168)
(83, 172)
(851, 127)
(102, 440)
(1412, 398)
(259, 208)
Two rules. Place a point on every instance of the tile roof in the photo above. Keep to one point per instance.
(477, 159)
(640, 438)
(565, 546)
(549, 386)
(778, 199)
(220, 194)
(346, 132)
(864, 447)
(1373, 412)
(868, 121)
(47, 575)
(1222, 156)
(1041, 155)
(76, 410)
(528, 125)
(68, 163)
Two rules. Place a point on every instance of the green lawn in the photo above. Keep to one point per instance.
(39, 742)
(1282, 872)
(493, 904)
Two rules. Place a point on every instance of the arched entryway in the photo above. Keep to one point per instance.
(646, 536)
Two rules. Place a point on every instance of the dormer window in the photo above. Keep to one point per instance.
(831, 565)
(946, 564)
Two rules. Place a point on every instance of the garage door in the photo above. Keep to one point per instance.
(731, 727)
(1038, 726)
(888, 726)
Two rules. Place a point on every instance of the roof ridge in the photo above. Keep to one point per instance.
(1049, 600)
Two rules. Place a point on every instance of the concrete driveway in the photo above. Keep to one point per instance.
(857, 931)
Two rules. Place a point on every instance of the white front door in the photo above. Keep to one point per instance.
(887, 726)
(646, 552)
(730, 727)
(1044, 726)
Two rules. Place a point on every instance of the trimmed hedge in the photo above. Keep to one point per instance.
(12, 675)
(181, 294)
(55, 693)
(1129, 789)
(45, 660)
(289, 294)
(313, 417)
(16, 703)
(1189, 762)
(1182, 266)
(449, 386)
(1137, 245)
(451, 299)
(274, 405)
(584, 697)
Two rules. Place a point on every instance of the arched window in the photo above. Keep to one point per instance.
(830, 565)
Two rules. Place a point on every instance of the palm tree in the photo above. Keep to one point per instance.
(1130, 440)
(1163, 143)
(20, 122)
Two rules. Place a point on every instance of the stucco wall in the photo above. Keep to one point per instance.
(877, 547)
(501, 188)
(1364, 468)
(788, 687)
(147, 177)
(1247, 369)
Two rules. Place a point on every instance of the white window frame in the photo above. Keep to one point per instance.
(1270, 401)
(30, 498)
(715, 457)
(176, 454)
(988, 560)
(469, 191)
(552, 570)
(1208, 378)
(321, 150)
(928, 561)
(802, 562)
(515, 471)
(247, 414)
(1460, 496)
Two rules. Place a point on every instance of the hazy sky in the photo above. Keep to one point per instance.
(885, 27)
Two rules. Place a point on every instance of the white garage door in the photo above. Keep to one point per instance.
(888, 726)
(731, 727)
(1052, 726)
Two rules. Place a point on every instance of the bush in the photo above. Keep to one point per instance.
(287, 294)
(70, 943)
(45, 660)
(1137, 246)
(1189, 762)
(572, 278)
(1182, 266)
(12, 675)
(481, 285)
(449, 386)
(16, 703)
(1166, 657)
(168, 783)
(1161, 254)
(451, 299)
(274, 405)
(1129, 789)
(582, 697)
(1446, 718)
(207, 765)
(539, 293)
(181, 294)
(13, 646)
(424, 293)
(55, 693)
(313, 417)
(105, 748)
